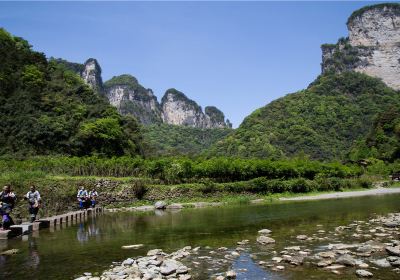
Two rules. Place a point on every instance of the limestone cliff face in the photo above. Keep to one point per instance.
(177, 109)
(373, 45)
(130, 98)
(91, 74)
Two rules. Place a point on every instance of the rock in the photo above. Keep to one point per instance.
(235, 254)
(128, 261)
(393, 251)
(363, 273)
(220, 277)
(265, 240)
(264, 231)
(160, 205)
(329, 254)
(185, 277)
(277, 259)
(136, 246)
(346, 260)
(301, 237)
(280, 267)
(391, 224)
(243, 242)
(334, 267)
(169, 266)
(293, 248)
(154, 252)
(231, 274)
(182, 270)
(396, 263)
(324, 263)
(381, 263)
(363, 265)
(10, 252)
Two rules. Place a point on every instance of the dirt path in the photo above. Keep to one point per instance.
(376, 191)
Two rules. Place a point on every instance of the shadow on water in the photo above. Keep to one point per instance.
(93, 245)
(248, 270)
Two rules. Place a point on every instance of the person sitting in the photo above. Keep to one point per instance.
(7, 200)
(93, 197)
(82, 196)
(34, 199)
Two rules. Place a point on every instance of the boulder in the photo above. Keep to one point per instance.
(155, 252)
(363, 273)
(301, 237)
(264, 231)
(169, 266)
(231, 274)
(346, 260)
(393, 251)
(160, 205)
(265, 240)
(381, 263)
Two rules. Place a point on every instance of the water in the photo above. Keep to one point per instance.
(92, 246)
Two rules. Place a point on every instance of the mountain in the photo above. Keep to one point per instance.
(47, 109)
(373, 45)
(131, 98)
(360, 76)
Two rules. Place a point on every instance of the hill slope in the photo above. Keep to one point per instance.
(47, 109)
(321, 121)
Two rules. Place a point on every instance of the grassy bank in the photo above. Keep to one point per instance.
(128, 181)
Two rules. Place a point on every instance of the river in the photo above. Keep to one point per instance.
(92, 246)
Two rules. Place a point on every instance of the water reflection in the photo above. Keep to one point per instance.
(86, 231)
(33, 259)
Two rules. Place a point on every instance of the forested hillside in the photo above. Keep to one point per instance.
(47, 109)
(166, 140)
(322, 121)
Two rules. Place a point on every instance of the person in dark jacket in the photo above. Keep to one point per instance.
(7, 200)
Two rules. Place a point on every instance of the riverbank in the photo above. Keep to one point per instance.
(375, 191)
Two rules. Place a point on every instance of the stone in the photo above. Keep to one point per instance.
(363, 273)
(10, 252)
(346, 260)
(264, 240)
(231, 274)
(128, 261)
(277, 259)
(393, 251)
(324, 263)
(264, 231)
(301, 237)
(280, 267)
(328, 254)
(182, 270)
(136, 246)
(220, 277)
(169, 266)
(160, 205)
(381, 263)
(154, 252)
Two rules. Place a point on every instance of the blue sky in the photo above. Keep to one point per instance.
(237, 56)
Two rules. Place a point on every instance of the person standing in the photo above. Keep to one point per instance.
(7, 200)
(34, 199)
(82, 196)
(93, 197)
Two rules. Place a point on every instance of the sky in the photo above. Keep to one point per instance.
(237, 56)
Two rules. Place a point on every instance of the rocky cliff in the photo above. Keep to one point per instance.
(373, 45)
(178, 109)
(130, 98)
(91, 74)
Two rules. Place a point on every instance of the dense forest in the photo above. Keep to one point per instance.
(323, 121)
(47, 109)
(172, 140)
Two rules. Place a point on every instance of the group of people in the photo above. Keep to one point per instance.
(87, 199)
(8, 200)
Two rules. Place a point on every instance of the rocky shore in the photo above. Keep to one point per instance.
(361, 249)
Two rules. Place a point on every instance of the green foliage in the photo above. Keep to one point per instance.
(322, 121)
(125, 79)
(47, 109)
(168, 140)
(383, 140)
(215, 114)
